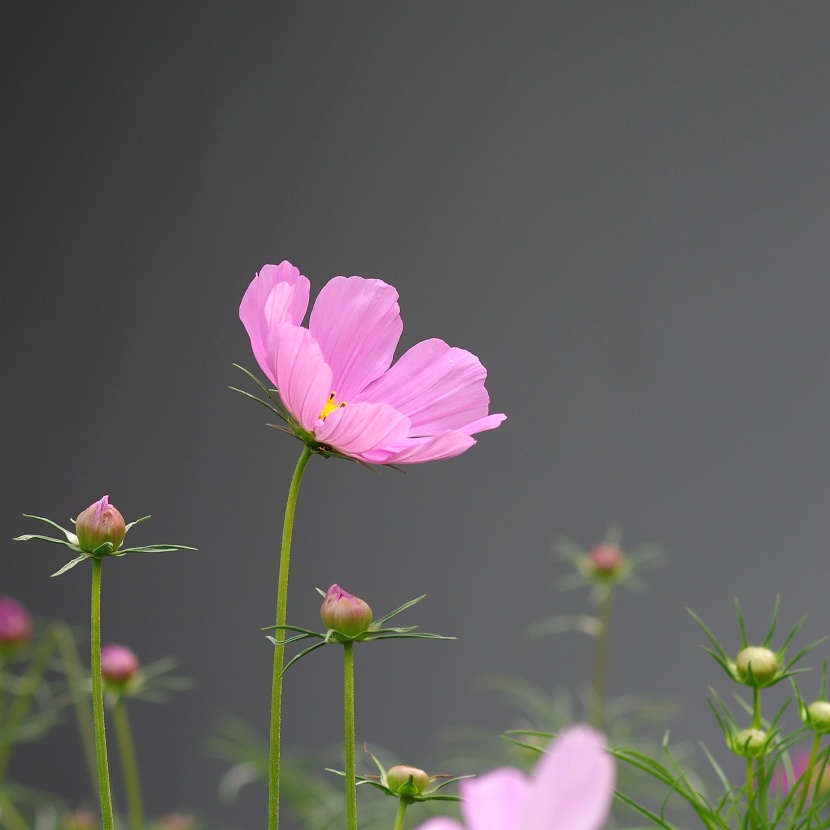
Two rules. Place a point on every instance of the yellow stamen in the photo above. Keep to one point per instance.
(330, 406)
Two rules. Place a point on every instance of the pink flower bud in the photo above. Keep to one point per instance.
(100, 523)
(345, 613)
(398, 780)
(606, 559)
(118, 664)
(15, 623)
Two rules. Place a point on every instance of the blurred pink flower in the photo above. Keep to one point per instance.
(336, 377)
(15, 622)
(570, 789)
(118, 664)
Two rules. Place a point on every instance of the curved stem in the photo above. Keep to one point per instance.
(279, 651)
(348, 735)
(129, 765)
(98, 697)
(600, 676)
(402, 805)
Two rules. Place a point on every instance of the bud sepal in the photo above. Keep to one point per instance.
(95, 543)
(376, 630)
(409, 784)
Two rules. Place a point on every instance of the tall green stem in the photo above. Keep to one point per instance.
(98, 697)
(129, 765)
(348, 735)
(279, 651)
(807, 775)
(601, 647)
(402, 805)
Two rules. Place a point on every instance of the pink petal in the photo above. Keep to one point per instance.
(359, 428)
(417, 450)
(357, 323)
(439, 387)
(572, 785)
(300, 373)
(278, 294)
(494, 801)
(440, 824)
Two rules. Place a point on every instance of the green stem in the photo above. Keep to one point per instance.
(20, 705)
(10, 815)
(601, 648)
(348, 735)
(129, 765)
(402, 805)
(104, 792)
(72, 667)
(807, 775)
(279, 651)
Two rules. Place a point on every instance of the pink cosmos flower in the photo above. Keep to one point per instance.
(336, 378)
(570, 789)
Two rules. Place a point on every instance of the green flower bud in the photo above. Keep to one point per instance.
(344, 613)
(406, 781)
(757, 665)
(749, 743)
(818, 716)
(98, 524)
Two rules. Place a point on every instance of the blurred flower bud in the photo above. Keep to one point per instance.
(98, 524)
(79, 820)
(344, 613)
(177, 821)
(606, 559)
(818, 716)
(750, 743)
(118, 664)
(15, 623)
(756, 665)
(406, 781)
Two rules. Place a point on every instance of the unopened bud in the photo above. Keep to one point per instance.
(79, 820)
(819, 716)
(118, 664)
(15, 623)
(756, 665)
(344, 613)
(406, 781)
(606, 559)
(749, 743)
(98, 524)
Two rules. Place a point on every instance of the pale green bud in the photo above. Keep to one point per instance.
(757, 665)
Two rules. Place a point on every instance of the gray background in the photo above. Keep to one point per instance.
(621, 207)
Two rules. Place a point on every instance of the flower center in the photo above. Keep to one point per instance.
(330, 405)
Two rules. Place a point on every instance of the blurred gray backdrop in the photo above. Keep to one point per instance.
(621, 207)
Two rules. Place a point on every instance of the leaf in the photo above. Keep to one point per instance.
(72, 564)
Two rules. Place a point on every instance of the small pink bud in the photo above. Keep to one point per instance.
(118, 664)
(345, 613)
(398, 780)
(79, 820)
(606, 559)
(100, 523)
(15, 622)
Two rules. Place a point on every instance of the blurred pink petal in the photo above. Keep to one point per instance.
(572, 785)
(335, 380)
(494, 801)
(440, 824)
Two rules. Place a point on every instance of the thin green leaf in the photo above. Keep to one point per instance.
(72, 564)
(50, 522)
(27, 536)
(399, 610)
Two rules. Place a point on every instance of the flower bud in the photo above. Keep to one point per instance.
(606, 559)
(406, 781)
(344, 613)
(79, 820)
(98, 524)
(756, 665)
(750, 743)
(15, 623)
(118, 664)
(818, 714)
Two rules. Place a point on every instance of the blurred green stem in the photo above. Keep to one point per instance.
(807, 775)
(72, 667)
(348, 735)
(98, 698)
(9, 816)
(279, 651)
(20, 705)
(600, 675)
(129, 764)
